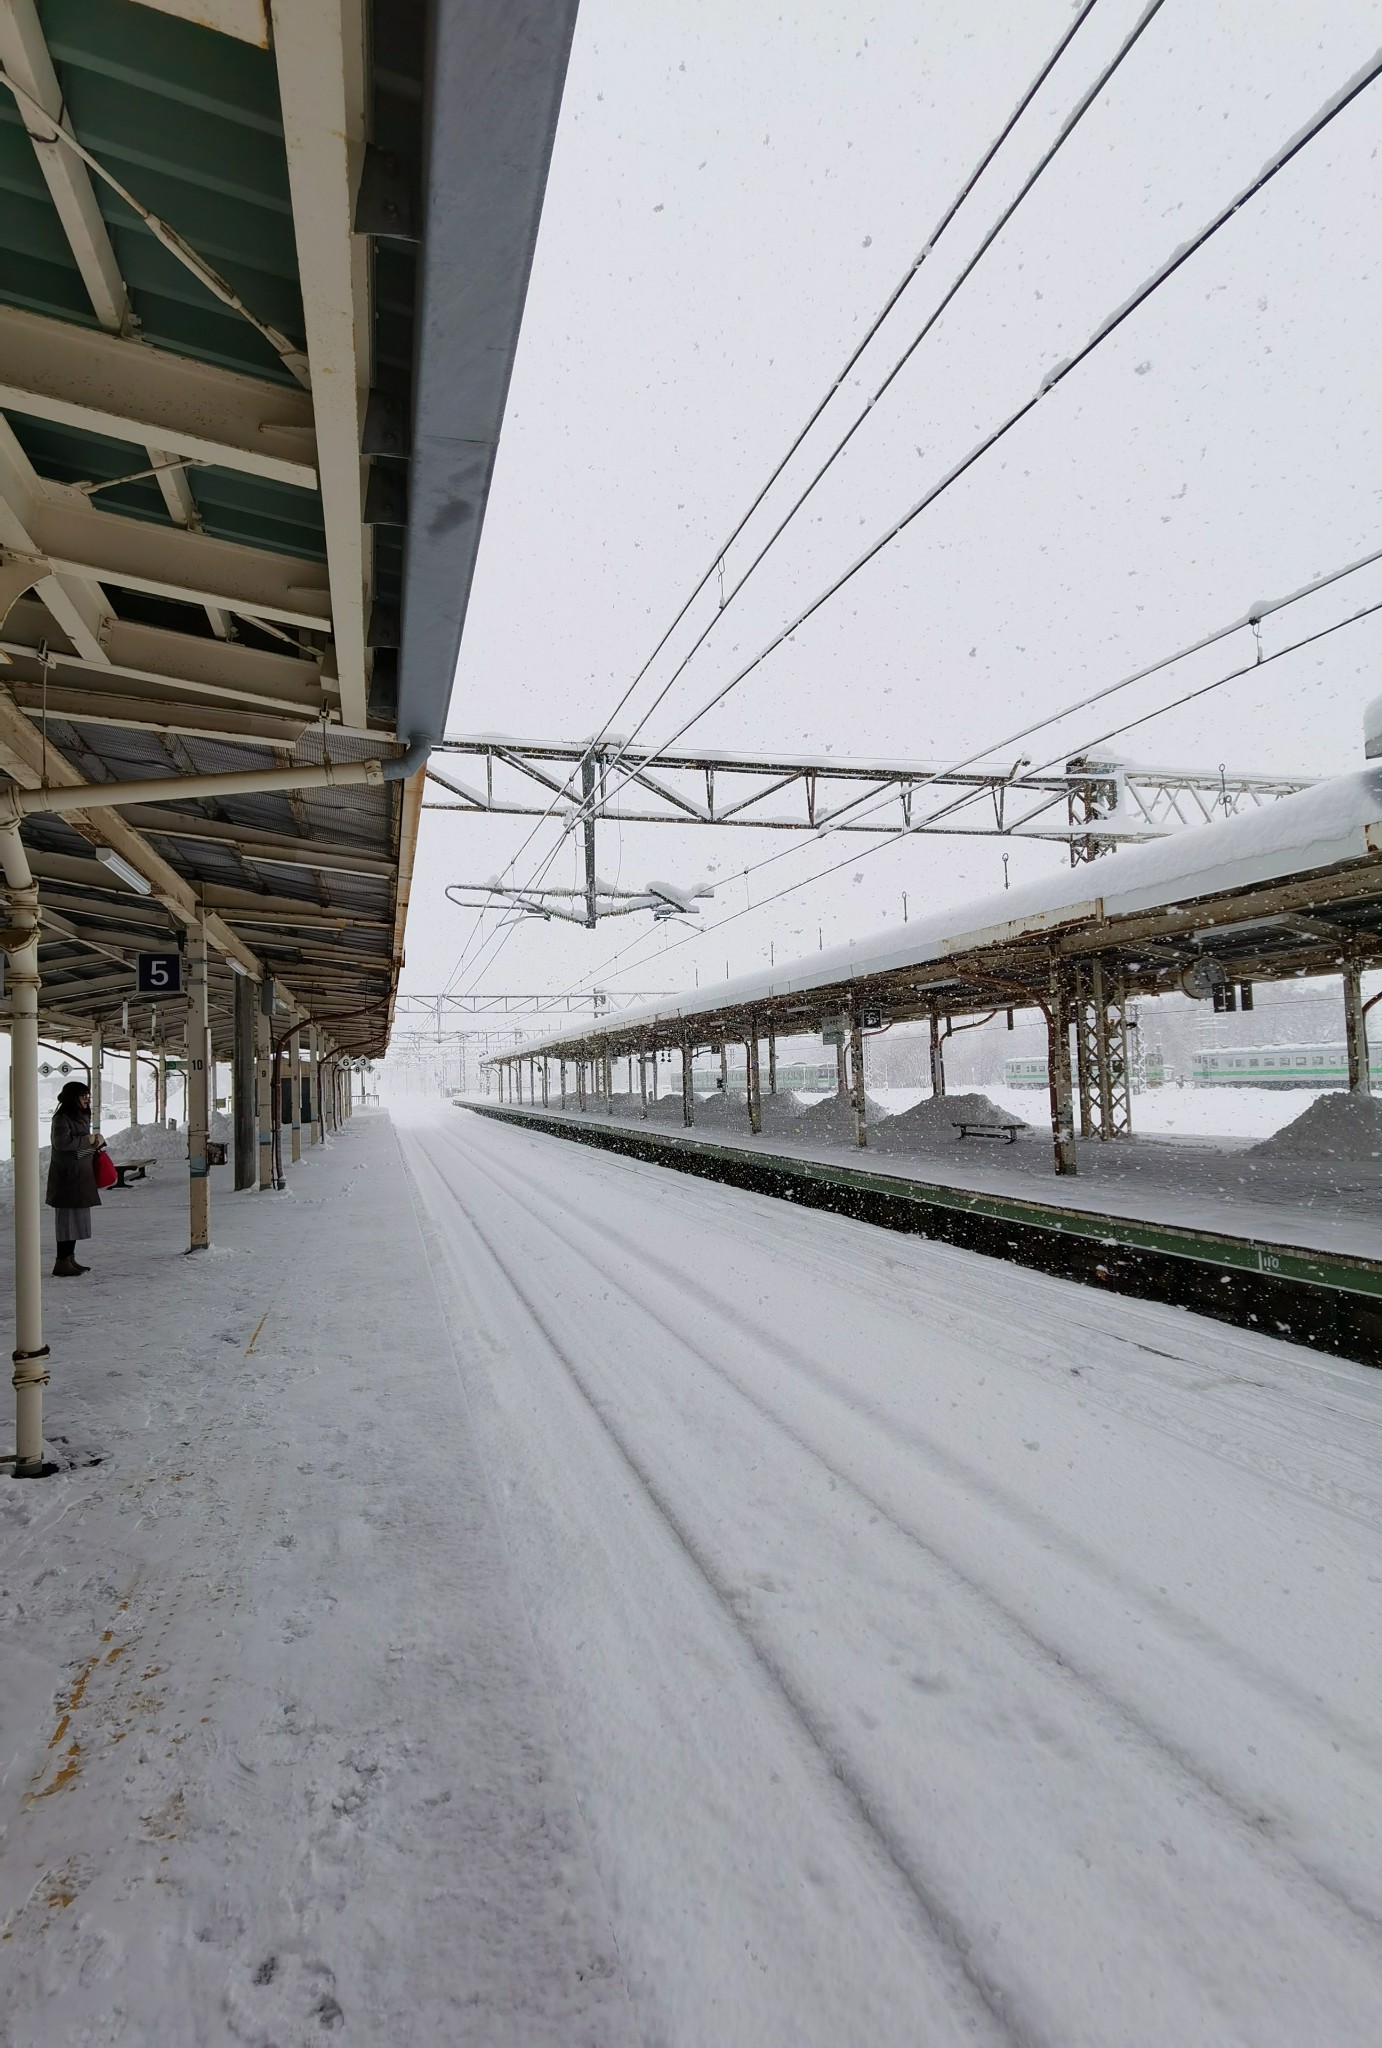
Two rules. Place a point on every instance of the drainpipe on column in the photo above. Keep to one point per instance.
(30, 1354)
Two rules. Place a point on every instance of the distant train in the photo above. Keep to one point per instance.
(1025, 1073)
(1276, 1066)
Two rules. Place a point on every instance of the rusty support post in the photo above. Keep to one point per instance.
(1058, 1069)
(841, 1070)
(688, 1090)
(562, 1077)
(752, 1081)
(772, 1059)
(1356, 1031)
(856, 1075)
(937, 1058)
(642, 1081)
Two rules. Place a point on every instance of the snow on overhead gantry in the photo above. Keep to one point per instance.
(1275, 894)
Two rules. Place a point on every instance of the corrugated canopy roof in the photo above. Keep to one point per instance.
(212, 442)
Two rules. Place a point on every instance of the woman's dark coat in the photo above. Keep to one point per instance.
(71, 1171)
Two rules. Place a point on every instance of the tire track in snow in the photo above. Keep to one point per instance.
(1246, 1817)
(946, 1934)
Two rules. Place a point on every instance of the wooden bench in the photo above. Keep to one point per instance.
(131, 1169)
(991, 1130)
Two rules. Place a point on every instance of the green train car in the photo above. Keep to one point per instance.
(1276, 1066)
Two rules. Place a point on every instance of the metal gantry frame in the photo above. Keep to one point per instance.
(1090, 804)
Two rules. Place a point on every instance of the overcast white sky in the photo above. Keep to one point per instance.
(735, 189)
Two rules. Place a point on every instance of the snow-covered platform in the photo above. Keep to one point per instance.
(537, 1600)
(1289, 1245)
(277, 1760)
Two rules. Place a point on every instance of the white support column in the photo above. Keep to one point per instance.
(134, 1080)
(30, 1354)
(1356, 1031)
(642, 1081)
(161, 1087)
(295, 1084)
(97, 1055)
(263, 1091)
(314, 1082)
(562, 1065)
(198, 1092)
(688, 1085)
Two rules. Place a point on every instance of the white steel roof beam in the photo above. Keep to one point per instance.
(76, 604)
(246, 20)
(195, 666)
(319, 46)
(25, 57)
(167, 403)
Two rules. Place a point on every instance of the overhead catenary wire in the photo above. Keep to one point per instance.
(1244, 621)
(1054, 378)
(1329, 112)
(716, 564)
(969, 797)
(1024, 191)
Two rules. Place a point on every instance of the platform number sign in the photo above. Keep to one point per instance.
(159, 974)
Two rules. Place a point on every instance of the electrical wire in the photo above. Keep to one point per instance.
(969, 797)
(1252, 618)
(837, 384)
(1066, 130)
(1051, 382)
(1328, 113)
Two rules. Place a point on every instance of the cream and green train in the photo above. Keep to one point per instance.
(1276, 1066)
(1239, 1066)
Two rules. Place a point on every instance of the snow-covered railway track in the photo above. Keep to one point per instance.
(1125, 1817)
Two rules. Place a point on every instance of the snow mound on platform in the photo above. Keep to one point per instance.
(147, 1141)
(932, 1122)
(831, 1122)
(1336, 1126)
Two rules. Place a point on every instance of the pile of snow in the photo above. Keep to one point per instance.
(831, 1122)
(933, 1121)
(147, 1141)
(1334, 1127)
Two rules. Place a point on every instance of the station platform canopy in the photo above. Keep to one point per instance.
(1292, 890)
(262, 270)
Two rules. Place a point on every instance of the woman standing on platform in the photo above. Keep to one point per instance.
(72, 1189)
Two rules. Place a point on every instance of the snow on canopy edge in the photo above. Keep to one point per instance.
(1316, 828)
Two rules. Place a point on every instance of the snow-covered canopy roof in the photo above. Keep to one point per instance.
(1337, 824)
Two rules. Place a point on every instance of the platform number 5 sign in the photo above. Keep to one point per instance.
(159, 974)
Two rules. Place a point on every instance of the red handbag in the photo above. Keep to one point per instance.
(106, 1176)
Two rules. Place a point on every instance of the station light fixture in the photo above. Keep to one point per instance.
(123, 870)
